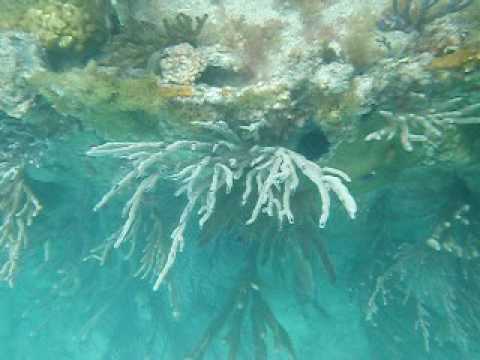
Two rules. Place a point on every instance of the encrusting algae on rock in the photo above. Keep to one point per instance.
(65, 26)
(461, 59)
(106, 101)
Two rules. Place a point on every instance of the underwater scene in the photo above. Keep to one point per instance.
(239, 179)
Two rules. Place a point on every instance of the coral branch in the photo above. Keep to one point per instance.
(276, 168)
(204, 170)
(18, 208)
(431, 122)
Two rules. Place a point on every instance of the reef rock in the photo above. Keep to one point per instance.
(20, 57)
(219, 57)
(182, 64)
(333, 78)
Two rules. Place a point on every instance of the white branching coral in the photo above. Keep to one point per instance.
(430, 123)
(206, 169)
(275, 172)
(18, 208)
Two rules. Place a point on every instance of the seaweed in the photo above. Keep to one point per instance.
(140, 39)
(408, 16)
(246, 306)
(183, 29)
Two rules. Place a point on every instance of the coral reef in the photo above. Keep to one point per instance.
(222, 140)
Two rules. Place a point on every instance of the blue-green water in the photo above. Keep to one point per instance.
(271, 179)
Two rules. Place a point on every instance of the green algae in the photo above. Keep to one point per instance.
(63, 27)
(117, 107)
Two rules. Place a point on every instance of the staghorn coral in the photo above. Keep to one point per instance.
(18, 208)
(205, 170)
(409, 15)
(431, 121)
(146, 233)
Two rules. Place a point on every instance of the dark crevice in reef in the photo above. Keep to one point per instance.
(313, 144)
(217, 76)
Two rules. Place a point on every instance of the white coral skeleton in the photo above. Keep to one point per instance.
(431, 123)
(203, 169)
(18, 208)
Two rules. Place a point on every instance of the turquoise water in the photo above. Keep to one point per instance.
(279, 179)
